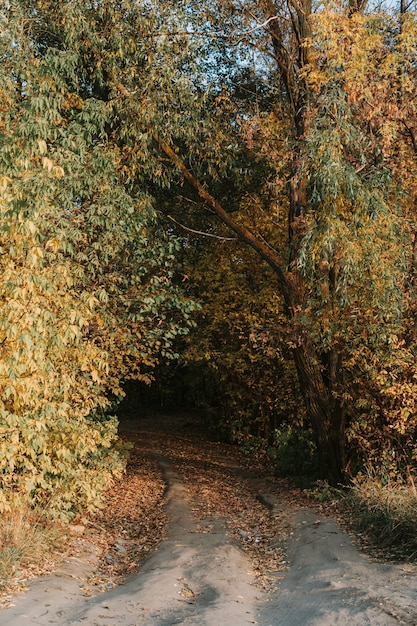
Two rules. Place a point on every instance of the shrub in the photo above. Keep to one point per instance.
(294, 452)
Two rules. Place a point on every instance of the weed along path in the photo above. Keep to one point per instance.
(212, 542)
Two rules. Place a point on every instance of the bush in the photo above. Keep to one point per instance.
(65, 463)
(294, 452)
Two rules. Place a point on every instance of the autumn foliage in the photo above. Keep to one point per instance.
(330, 135)
(287, 135)
(86, 285)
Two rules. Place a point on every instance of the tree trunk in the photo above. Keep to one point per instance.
(317, 376)
(326, 415)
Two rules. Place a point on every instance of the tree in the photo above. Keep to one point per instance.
(342, 270)
(87, 294)
(149, 99)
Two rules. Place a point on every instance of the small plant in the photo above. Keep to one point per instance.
(27, 541)
(323, 492)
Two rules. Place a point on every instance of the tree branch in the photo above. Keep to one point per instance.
(200, 232)
(267, 253)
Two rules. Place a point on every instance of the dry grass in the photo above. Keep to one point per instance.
(387, 515)
(29, 546)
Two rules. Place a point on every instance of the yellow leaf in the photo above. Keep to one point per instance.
(47, 164)
(43, 148)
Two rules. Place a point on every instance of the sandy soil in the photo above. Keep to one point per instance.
(199, 575)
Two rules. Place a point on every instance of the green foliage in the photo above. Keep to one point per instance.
(352, 252)
(87, 290)
(356, 243)
(293, 452)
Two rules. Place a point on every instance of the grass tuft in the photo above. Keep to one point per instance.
(28, 543)
(387, 515)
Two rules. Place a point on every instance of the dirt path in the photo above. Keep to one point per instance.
(331, 584)
(200, 575)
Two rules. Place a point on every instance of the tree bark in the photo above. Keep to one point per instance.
(327, 416)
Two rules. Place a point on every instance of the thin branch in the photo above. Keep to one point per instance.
(258, 26)
(411, 134)
(189, 33)
(198, 204)
(238, 37)
(200, 232)
(360, 169)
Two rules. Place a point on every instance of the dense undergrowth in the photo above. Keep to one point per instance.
(381, 508)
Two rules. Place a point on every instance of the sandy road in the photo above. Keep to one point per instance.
(199, 576)
(194, 577)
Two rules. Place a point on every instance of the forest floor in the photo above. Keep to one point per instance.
(196, 535)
